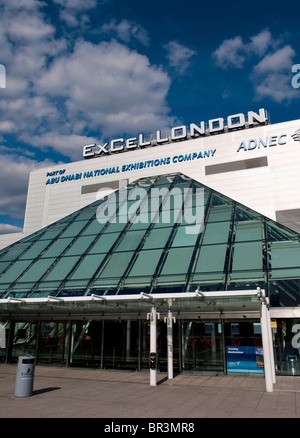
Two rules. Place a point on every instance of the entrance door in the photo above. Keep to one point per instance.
(286, 336)
(121, 344)
(86, 344)
(202, 346)
(52, 343)
(24, 339)
(244, 352)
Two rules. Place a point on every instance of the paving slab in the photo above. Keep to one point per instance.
(61, 392)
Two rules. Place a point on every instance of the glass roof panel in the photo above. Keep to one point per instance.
(14, 271)
(247, 255)
(88, 266)
(185, 236)
(61, 269)
(249, 230)
(13, 253)
(146, 263)
(216, 232)
(177, 260)
(57, 247)
(35, 250)
(230, 245)
(37, 269)
(157, 238)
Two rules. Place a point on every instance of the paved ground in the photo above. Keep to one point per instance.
(83, 393)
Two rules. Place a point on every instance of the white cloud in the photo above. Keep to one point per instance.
(105, 87)
(280, 60)
(108, 87)
(270, 64)
(126, 31)
(179, 56)
(31, 115)
(24, 5)
(71, 11)
(78, 5)
(70, 145)
(7, 229)
(55, 97)
(7, 126)
(27, 42)
(230, 53)
(276, 86)
(234, 52)
(260, 43)
(29, 27)
(14, 175)
(271, 76)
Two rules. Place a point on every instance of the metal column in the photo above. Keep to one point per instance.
(128, 339)
(272, 353)
(267, 346)
(170, 321)
(224, 348)
(153, 347)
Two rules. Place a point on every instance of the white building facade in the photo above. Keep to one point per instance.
(243, 157)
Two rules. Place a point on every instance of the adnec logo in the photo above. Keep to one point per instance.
(296, 136)
(272, 140)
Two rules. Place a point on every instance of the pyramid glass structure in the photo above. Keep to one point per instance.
(161, 234)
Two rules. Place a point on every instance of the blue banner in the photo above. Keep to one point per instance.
(245, 359)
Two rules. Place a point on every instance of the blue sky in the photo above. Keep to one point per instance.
(79, 71)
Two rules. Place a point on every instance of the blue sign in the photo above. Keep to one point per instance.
(59, 176)
(245, 359)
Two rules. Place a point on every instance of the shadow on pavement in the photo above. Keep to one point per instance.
(42, 391)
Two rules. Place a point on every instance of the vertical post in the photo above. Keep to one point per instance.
(271, 343)
(128, 335)
(9, 346)
(68, 342)
(2, 336)
(170, 341)
(266, 346)
(139, 345)
(153, 317)
(179, 345)
(224, 348)
(102, 345)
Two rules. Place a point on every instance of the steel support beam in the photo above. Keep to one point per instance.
(267, 347)
(153, 345)
(169, 320)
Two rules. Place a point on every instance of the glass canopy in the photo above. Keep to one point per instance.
(164, 234)
(212, 304)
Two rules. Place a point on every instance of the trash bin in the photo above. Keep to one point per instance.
(25, 375)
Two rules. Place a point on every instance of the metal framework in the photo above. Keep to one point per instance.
(150, 302)
(236, 248)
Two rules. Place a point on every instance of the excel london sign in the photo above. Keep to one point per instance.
(178, 133)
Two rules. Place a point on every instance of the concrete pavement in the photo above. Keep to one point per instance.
(89, 393)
